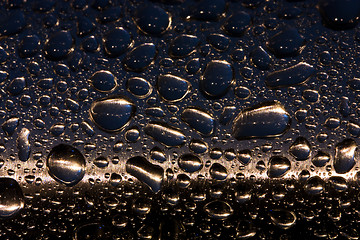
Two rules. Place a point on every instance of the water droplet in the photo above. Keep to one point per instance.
(287, 42)
(208, 10)
(268, 119)
(59, 45)
(13, 23)
(183, 45)
(218, 41)
(29, 46)
(101, 162)
(198, 146)
(11, 197)
(216, 79)
(199, 120)
(218, 171)
(218, 210)
(152, 19)
(278, 166)
(84, 26)
(109, 15)
(116, 42)
(190, 163)
(10, 125)
(311, 96)
(300, 149)
(146, 172)
(314, 185)
(23, 144)
(344, 159)
(139, 87)
(16, 86)
(338, 183)
(338, 14)
(284, 219)
(132, 135)
(172, 88)
(244, 156)
(291, 76)
(237, 24)
(157, 154)
(111, 114)
(140, 57)
(164, 134)
(227, 115)
(103, 81)
(260, 58)
(66, 164)
(320, 159)
(183, 180)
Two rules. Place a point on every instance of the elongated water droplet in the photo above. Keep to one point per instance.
(291, 76)
(344, 159)
(199, 120)
(23, 144)
(190, 163)
(269, 119)
(218, 210)
(164, 134)
(146, 172)
(284, 219)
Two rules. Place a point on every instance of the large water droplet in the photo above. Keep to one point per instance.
(321, 159)
(340, 14)
(140, 57)
(216, 79)
(260, 58)
(146, 172)
(269, 119)
(172, 88)
(66, 164)
(103, 81)
(13, 23)
(300, 149)
(237, 24)
(16, 86)
(112, 114)
(116, 42)
(152, 19)
(218, 171)
(314, 185)
(344, 159)
(278, 166)
(11, 197)
(183, 45)
(10, 125)
(288, 42)
(59, 45)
